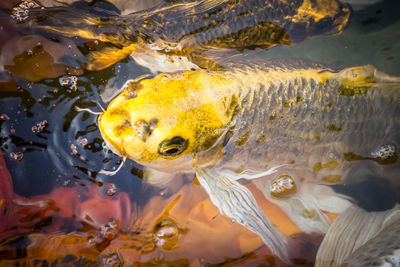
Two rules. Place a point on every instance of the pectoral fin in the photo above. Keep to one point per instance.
(305, 204)
(238, 203)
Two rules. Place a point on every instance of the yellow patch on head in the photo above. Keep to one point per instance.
(169, 116)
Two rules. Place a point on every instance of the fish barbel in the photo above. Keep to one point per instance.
(296, 126)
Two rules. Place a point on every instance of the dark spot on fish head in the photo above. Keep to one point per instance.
(131, 89)
(143, 129)
(124, 127)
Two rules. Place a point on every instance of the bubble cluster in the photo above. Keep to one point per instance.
(111, 260)
(110, 230)
(4, 117)
(69, 83)
(105, 234)
(283, 186)
(17, 156)
(39, 127)
(104, 147)
(20, 13)
(74, 151)
(165, 234)
(384, 152)
(92, 240)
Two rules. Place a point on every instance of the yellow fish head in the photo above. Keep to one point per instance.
(165, 121)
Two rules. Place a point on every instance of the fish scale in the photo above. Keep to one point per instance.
(227, 14)
(354, 117)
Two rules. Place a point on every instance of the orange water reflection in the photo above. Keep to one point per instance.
(86, 225)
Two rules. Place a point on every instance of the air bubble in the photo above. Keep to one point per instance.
(111, 260)
(164, 78)
(110, 230)
(39, 127)
(20, 13)
(111, 189)
(17, 156)
(164, 192)
(104, 147)
(4, 117)
(74, 151)
(69, 83)
(166, 234)
(283, 186)
(83, 142)
(92, 240)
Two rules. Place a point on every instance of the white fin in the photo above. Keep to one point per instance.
(306, 206)
(168, 183)
(349, 231)
(364, 75)
(306, 215)
(111, 90)
(160, 63)
(383, 249)
(157, 178)
(238, 203)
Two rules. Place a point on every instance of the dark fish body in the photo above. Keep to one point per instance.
(190, 28)
(244, 24)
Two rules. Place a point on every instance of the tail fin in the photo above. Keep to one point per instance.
(351, 230)
(357, 80)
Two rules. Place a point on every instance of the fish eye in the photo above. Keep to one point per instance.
(173, 147)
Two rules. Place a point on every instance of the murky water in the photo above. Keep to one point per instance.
(57, 206)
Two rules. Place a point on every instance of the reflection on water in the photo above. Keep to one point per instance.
(56, 206)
